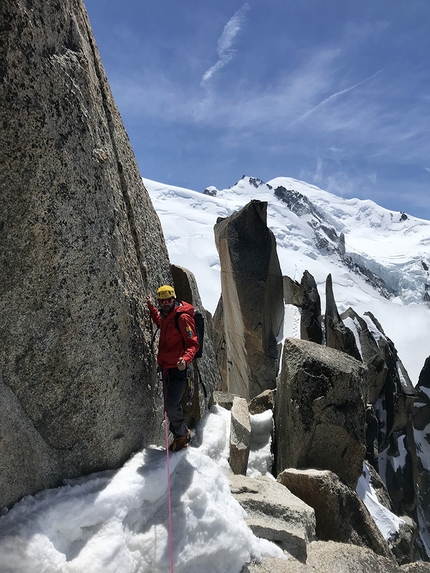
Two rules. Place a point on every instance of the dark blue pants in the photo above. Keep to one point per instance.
(175, 384)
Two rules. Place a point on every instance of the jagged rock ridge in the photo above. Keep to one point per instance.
(339, 401)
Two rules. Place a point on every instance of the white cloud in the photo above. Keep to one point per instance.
(225, 43)
(314, 108)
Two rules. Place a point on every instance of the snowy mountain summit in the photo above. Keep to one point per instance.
(388, 249)
(379, 259)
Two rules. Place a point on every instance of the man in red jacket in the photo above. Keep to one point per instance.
(177, 347)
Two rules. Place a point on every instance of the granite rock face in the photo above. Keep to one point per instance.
(250, 315)
(80, 246)
(319, 411)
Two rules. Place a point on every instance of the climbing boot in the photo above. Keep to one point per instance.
(180, 442)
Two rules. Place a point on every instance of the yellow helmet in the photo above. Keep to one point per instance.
(165, 291)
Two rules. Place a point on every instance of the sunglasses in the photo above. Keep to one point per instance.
(165, 300)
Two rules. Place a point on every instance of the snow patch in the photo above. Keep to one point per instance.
(388, 523)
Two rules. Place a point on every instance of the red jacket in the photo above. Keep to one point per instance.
(174, 343)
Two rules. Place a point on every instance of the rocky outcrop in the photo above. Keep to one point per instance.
(310, 323)
(370, 353)
(401, 535)
(335, 404)
(403, 543)
(206, 376)
(392, 445)
(274, 513)
(305, 296)
(319, 411)
(390, 395)
(249, 317)
(421, 414)
(340, 514)
(80, 245)
(337, 334)
(240, 436)
(262, 402)
(293, 293)
(421, 432)
(223, 399)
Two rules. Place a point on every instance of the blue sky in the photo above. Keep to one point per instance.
(336, 93)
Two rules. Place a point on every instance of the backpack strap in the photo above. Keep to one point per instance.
(205, 392)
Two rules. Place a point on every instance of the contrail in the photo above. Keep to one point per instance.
(332, 97)
(225, 42)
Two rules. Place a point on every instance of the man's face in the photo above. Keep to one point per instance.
(166, 304)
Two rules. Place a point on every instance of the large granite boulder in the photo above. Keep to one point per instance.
(80, 246)
(250, 316)
(274, 513)
(206, 376)
(340, 514)
(319, 411)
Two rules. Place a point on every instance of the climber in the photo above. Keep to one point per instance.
(177, 347)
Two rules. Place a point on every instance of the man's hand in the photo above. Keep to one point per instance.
(148, 300)
(181, 364)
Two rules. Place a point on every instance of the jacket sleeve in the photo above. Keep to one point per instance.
(155, 314)
(187, 326)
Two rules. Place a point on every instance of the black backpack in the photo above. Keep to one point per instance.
(200, 329)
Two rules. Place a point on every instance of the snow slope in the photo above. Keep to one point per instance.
(117, 521)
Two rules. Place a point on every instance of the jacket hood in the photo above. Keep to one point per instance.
(184, 307)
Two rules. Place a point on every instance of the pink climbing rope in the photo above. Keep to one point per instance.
(166, 424)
